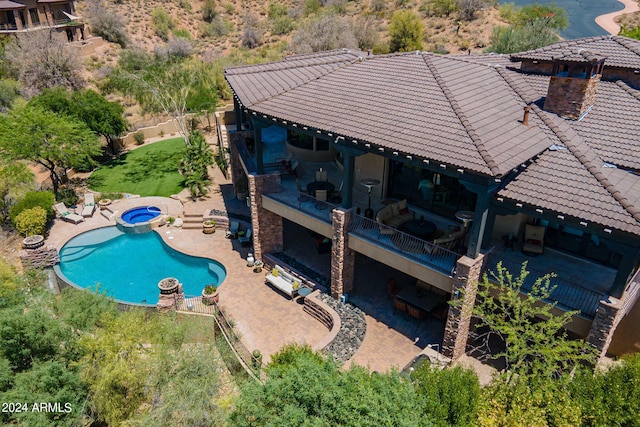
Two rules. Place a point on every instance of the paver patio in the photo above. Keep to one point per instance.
(265, 319)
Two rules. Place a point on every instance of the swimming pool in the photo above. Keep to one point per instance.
(140, 214)
(128, 267)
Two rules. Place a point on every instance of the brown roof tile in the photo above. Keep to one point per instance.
(465, 113)
(619, 51)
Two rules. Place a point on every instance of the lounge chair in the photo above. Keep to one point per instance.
(246, 239)
(66, 215)
(533, 239)
(89, 205)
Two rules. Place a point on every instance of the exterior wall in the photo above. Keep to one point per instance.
(505, 224)
(631, 77)
(342, 258)
(570, 97)
(370, 166)
(465, 284)
(267, 226)
(540, 67)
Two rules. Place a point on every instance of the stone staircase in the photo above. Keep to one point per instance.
(192, 221)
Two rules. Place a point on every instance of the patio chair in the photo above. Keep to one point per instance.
(232, 232)
(301, 189)
(321, 197)
(246, 239)
(533, 239)
(66, 215)
(399, 305)
(321, 175)
(336, 196)
(89, 205)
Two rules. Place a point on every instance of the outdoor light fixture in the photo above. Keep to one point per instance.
(369, 183)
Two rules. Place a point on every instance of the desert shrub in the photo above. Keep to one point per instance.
(68, 196)
(138, 137)
(182, 33)
(443, 7)
(324, 32)
(631, 32)
(403, 3)
(177, 47)
(217, 27)
(405, 31)
(311, 7)
(40, 61)
(467, 9)
(282, 25)
(111, 196)
(508, 12)
(229, 8)
(185, 4)
(366, 32)
(162, 23)
(520, 38)
(31, 221)
(209, 10)
(378, 6)
(251, 35)
(44, 199)
(9, 91)
(276, 10)
(338, 7)
(134, 60)
(106, 22)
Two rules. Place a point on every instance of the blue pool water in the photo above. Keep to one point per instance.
(140, 214)
(128, 267)
(582, 14)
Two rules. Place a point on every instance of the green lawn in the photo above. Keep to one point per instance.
(147, 171)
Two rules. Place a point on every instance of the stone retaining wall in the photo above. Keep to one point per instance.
(42, 257)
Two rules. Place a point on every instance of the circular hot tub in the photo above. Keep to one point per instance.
(140, 214)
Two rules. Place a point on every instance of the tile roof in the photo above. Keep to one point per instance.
(619, 51)
(466, 112)
(7, 5)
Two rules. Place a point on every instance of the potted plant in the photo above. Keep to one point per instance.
(210, 294)
(209, 226)
(257, 266)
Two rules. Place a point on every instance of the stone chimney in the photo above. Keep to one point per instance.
(573, 84)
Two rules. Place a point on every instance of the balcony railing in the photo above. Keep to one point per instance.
(567, 295)
(40, 25)
(306, 203)
(434, 256)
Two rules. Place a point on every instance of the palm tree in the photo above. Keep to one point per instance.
(198, 156)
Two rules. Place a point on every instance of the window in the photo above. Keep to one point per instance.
(35, 18)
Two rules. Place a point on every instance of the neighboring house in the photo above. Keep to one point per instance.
(29, 15)
(549, 138)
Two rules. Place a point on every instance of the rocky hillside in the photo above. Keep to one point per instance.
(223, 34)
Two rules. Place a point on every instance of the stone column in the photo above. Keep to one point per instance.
(604, 325)
(266, 225)
(342, 258)
(465, 286)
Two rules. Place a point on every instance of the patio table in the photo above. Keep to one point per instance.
(314, 186)
(424, 300)
(420, 228)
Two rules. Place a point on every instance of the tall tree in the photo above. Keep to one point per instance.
(103, 117)
(167, 85)
(535, 341)
(405, 31)
(57, 143)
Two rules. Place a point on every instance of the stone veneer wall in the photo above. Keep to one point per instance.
(342, 258)
(465, 284)
(267, 226)
(605, 322)
(43, 257)
(570, 97)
